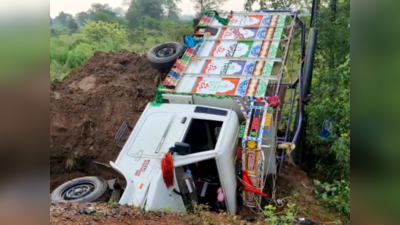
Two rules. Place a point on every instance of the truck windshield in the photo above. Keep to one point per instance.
(202, 135)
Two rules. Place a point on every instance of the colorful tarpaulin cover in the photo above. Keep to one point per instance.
(250, 37)
(254, 48)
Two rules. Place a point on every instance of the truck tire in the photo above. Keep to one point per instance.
(163, 56)
(84, 189)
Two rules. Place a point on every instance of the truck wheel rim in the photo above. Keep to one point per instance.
(77, 191)
(165, 52)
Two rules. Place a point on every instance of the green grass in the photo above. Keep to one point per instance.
(69, 39)
(58, 71)
(68, 53)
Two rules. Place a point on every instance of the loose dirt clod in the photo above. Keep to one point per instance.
(87, 108)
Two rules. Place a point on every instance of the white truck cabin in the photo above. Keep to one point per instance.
(212, 135)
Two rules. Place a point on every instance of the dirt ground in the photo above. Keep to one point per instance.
(101, 213)
(298, 187)
(86, 110)
(293, 186)
(88, 107)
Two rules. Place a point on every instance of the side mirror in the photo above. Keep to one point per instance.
(182, 148)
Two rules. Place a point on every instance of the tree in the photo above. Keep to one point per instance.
(98, 7)
(82, 17)
(276, 4)
(172, 11)
(140, 8)
(119, 11)
(62, 19)
(202, 5)
(263, 4)
(72, 26)
(53, 33)
(102, 12)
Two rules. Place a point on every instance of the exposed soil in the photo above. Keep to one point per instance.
(298, 187)
(88, 107)
(90, 214)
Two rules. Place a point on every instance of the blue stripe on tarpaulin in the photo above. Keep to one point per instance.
(197, 50)
(251, 139)
(174, 75)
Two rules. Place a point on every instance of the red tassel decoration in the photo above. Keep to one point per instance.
(273, 101)
(248, 185)
(167, 167)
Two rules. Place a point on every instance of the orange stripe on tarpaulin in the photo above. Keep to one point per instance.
(235, 81)
(208, 62)
(217, 44)
(258, 17)
(194, 91)
(252, 88)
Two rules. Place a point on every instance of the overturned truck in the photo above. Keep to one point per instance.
(211, 135)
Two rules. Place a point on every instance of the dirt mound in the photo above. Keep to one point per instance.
(88, 107)
(103, 213)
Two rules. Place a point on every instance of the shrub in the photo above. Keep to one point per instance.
(80, 54)
(331, 100)
(286, 217)
(58, 71)
(335, 195)
(97, 32)
(58, 50)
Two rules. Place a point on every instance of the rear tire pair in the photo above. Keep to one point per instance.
(163, 56)
(83, 189)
